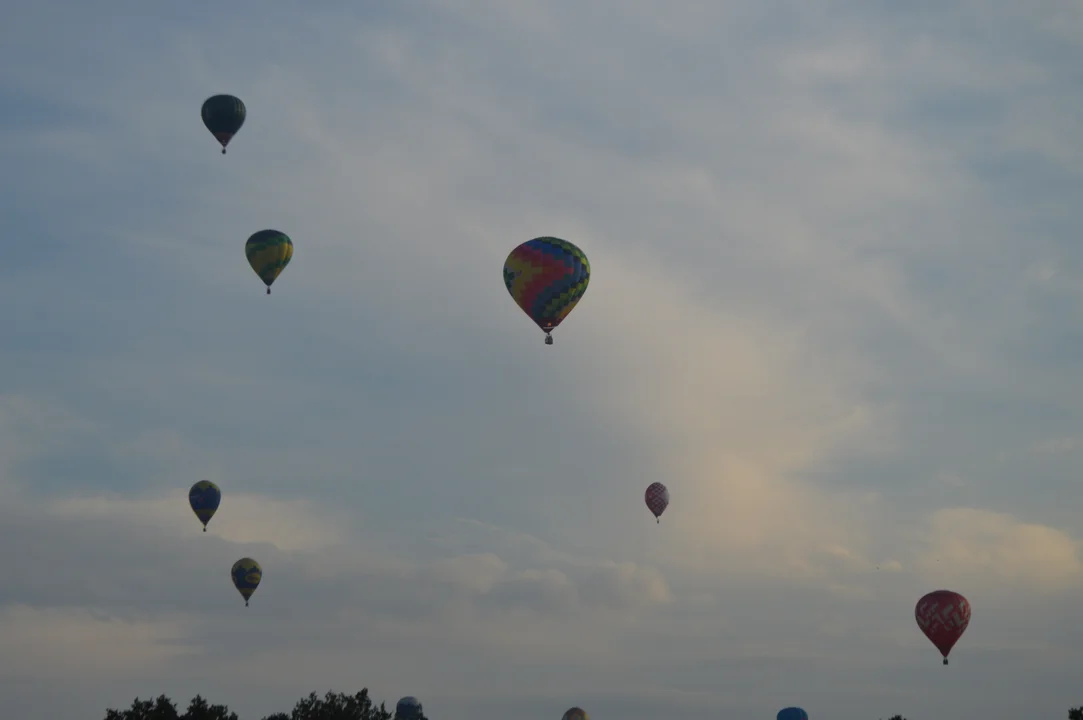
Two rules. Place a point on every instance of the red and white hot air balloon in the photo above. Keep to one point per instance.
(943, 616)
(657, 497)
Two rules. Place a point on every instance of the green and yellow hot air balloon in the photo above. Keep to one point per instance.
(269, 252)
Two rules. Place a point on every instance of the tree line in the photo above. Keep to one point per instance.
(332, 706)
(1073, 714)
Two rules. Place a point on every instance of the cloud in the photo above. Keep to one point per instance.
(244, 519)
(59, 643)
(968, 545)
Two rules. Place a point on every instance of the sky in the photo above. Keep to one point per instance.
(834, 306)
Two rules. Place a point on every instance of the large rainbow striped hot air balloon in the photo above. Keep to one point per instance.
(269, 252)
(546, 277)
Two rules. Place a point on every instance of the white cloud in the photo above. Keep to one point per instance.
(989, 549)
(63, 643)
(241, 518)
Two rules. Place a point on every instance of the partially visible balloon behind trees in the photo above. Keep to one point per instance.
(408, 708)
(332, 706)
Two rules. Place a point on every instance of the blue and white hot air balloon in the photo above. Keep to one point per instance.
(408, 708)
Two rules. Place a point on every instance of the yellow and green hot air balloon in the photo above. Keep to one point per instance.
(246, 574)
(269, 252)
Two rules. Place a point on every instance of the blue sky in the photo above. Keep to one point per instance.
(834, 306)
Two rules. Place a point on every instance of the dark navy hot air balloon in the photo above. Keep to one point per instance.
(204, 497)
(223, 116)
(792, 713)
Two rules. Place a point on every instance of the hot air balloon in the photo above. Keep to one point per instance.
(204, 497)
(576, 714)
(408, 708)
(246, 574)
(223, 115)
(546, 277)
(269, 252)
(657, 497)
(943, 616)
(792, 713)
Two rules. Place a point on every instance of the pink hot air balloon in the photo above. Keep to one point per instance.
(943, 616)
(657, 497)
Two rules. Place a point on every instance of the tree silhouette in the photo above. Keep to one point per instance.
(335, 706)
(1075, 713)
(332, 706)
(896, 717)
(164, 709)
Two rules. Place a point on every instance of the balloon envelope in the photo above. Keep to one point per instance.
(246, 574)
(204, 497)
(269, 252)
(223, 116)
(576, 714)
(943, 615)
(547, 277)
(792, 713)
(408, 708)
(657, 497)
